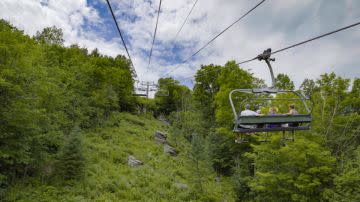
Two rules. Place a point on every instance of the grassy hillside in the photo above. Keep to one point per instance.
(108, 177)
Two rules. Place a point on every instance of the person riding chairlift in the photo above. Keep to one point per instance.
(273, 111)
(248, 112)
(292, 111)
(258, 110)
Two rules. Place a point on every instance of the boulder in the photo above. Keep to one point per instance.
(169, 150)
(133, 162)
(160, 137)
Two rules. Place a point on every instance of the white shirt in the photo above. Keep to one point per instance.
(248, 112)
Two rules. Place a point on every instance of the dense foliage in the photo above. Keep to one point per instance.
(107, 176)
(47, 91)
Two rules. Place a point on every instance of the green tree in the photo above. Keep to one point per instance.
(331, 110)
(308, 86)
(300, 171)
(354, 96)
(46, 90)
(71, 161)
(198, 162)
(282, 81)
(214, 94)
(178, 97)
(231, 77)
(50, 35)
(347, 184)
(205, 90)
(20, 114)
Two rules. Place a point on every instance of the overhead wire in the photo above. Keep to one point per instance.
(216, 36)
(154, 36)
(192, 8)
(121, 36)
(283, 49)
(198, 75)
(177, 34)
(306, 41)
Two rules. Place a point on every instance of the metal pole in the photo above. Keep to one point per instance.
(271, 72)
(147, 89)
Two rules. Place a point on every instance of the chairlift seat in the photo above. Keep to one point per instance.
(254, 130)
(139, 94)
(274, 119)
(299, 118)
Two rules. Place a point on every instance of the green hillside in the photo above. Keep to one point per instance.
(108, 177)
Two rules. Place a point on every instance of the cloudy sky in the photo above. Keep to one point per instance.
(275, 24)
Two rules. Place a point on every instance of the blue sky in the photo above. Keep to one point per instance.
(275, 24)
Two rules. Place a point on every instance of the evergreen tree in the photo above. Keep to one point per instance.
(198, 162)
(71, 161)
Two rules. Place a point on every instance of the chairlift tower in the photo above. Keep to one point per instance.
(145, 86)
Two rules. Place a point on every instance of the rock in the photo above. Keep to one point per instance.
(181, 185)
(169, 150)
(163, 119)
(133, 162)
(160, 137)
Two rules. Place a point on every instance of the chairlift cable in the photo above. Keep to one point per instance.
(294, 45)
(297, 44)
(306, 41)
(192, 8)
(154, 36)
(121, 36)
(286, 48)
(215, 37)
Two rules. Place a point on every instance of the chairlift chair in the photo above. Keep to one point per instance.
(139, 91)
(295, 122)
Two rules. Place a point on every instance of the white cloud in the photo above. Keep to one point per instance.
(69, 15)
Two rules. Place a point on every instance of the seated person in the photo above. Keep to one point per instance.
(273, 111)
(258, 110)
(292, 111)
(248, 112)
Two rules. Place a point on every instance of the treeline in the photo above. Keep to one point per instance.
(322, 164)
(48, 93)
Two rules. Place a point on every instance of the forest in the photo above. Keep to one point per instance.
(69, 121)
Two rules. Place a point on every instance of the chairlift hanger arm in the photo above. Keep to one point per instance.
(266, 57)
